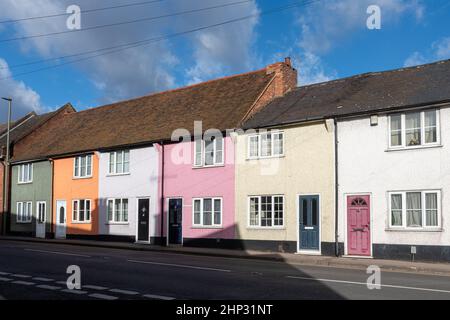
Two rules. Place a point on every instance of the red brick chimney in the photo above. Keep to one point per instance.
(284, 80)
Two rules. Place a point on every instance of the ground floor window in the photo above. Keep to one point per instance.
(117, 210)
(266, 211)
(81, 210)
(24, 211)
(207, 212)
(415, 209)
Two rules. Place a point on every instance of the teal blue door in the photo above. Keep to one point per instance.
(309, 228)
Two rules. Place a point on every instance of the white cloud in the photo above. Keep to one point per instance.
(25, 98)
(439, 50)
(145, 69)
(325, 24)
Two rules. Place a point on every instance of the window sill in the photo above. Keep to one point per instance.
(266, 228)
(209, 167)
(414, 148)
(23, 222)
(118, 174)
(22, 183)
(79, 222)
(429, 230)
(266, 158)
(207, 227)
(117, 223)
(81, 178)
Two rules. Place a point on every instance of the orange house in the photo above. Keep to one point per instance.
(75, 196)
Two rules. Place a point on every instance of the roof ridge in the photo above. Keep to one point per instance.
(372, 73)
(173, 90)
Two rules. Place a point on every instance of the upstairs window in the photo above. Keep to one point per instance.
(119, 162)
(415, 210)
(266, 145)
(25, 173)
(414, 129)
(81, 211)
(82, 167)
(209, 152)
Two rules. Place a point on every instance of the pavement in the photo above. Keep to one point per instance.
(38, 271)
(293, 259)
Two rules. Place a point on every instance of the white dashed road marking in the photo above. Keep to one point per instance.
(179, 266)
(365, 284)
(102, 296)
(62, 282)
(44, 286)
(22, 276)
(43, 279)
(74, 291)
(4, 273)
(94, 287)
(155, 296)
(60, 253)
(124, 291)
(25, 283)
(5, 279)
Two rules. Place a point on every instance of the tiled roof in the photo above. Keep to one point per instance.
(366, 93)
(221, 104)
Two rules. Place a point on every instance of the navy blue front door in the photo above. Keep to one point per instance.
(309, 222)
(175, 221)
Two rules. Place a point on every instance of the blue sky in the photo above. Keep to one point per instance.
(326, 39)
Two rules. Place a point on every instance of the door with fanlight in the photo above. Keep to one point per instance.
(358, 226)
(61, 218)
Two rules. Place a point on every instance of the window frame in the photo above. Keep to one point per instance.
(213, 225)
(20, 174)
(77, 220)
(21, 213)
(423, 144)
(123, 152)
(113, 221)
(273, 226)
(202, 163)
(79, 158)
(258, 136)
(404, 225)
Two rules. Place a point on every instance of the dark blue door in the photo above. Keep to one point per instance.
(309, 222)
(175, 221)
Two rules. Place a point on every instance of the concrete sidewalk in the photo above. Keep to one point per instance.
(293, 259)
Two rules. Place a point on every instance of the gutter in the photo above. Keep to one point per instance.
(336, 188)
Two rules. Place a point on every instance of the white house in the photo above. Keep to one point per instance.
(128, 194)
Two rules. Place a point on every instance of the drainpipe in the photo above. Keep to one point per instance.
(52, 197)
(4, 194)
(162, 193)
(336, 189)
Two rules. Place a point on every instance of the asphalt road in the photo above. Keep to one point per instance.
(37, 271)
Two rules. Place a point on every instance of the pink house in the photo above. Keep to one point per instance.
(198, 188)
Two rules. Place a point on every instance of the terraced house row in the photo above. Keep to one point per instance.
(356, 167)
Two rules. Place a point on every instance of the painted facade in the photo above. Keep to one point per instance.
(27, 195)
(182, 180)
(369, 167)
(140, 181)
(71, 189)
(304, 168)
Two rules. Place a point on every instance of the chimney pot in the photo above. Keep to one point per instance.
(287, 61)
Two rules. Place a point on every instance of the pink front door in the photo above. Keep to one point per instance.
(358, 226)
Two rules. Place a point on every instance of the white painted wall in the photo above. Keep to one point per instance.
(365, 166)
(141, 182)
